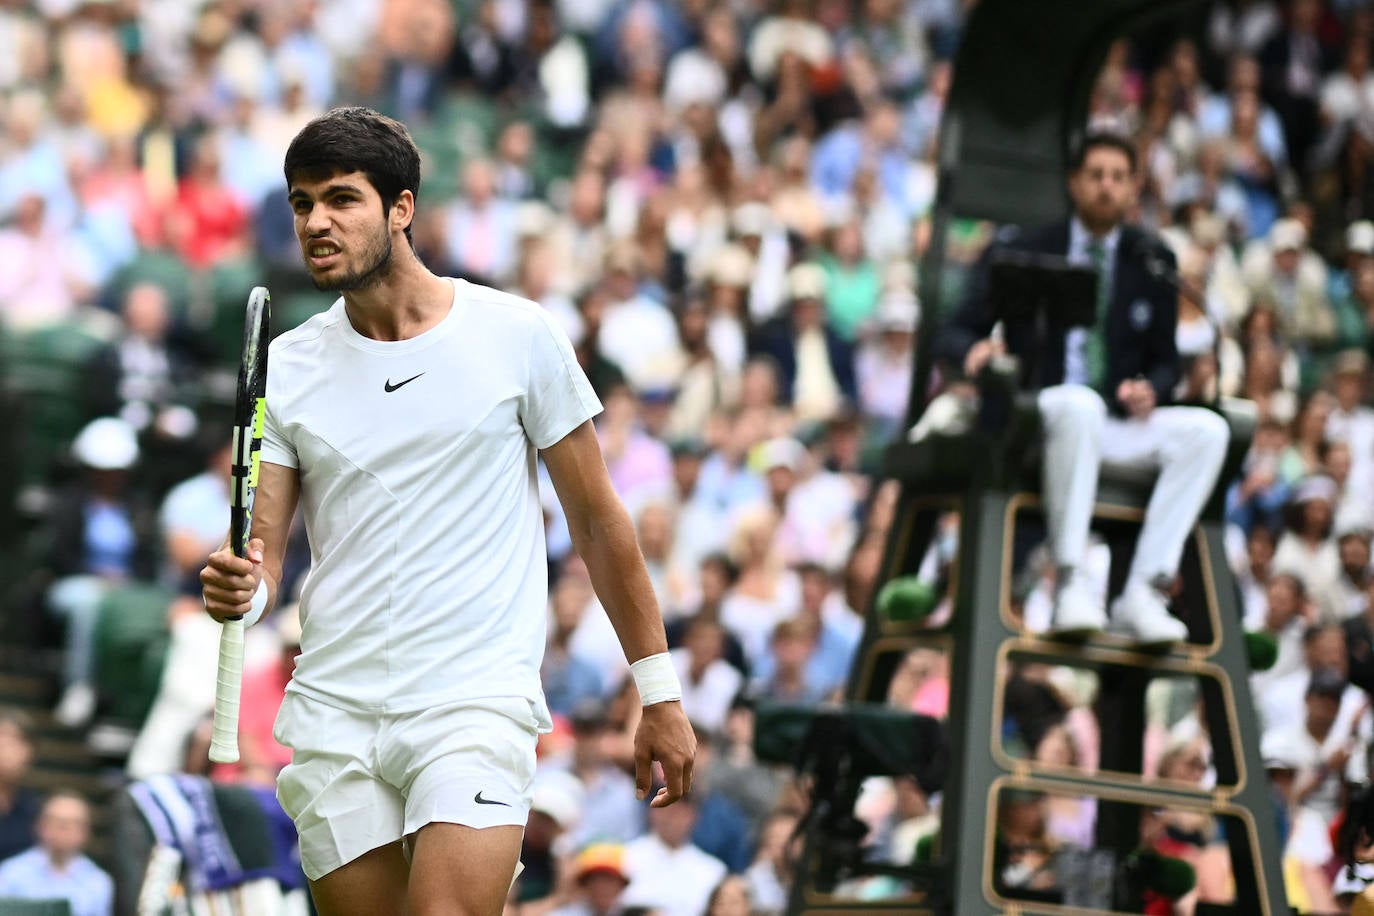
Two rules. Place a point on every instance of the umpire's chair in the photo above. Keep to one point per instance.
(988, 470)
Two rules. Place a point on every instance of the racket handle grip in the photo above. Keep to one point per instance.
(224, 740)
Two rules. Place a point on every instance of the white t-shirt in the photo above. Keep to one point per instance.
(676, 882)
(417, 464)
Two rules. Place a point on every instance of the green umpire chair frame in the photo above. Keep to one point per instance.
(1017, 106)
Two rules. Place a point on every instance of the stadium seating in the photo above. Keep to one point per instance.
(131, 641)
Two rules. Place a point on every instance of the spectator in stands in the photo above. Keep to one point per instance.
(1281, 707)
(639, 463)
(815, 506)
(578, 239)
(141, 376)
(19, 804)
(1305, 455)
(731, 897)
(1322, 747)
(1242, 27)
(57, 868)
(1288, 273)
(852, 281)
(1253, 574)
(1249, 163)
(638, 332)
(1023, 851)
(1307, 549)
(100, 533)
(568, 678)
(790, 652)
(609, 809)
(722, 830)
(1354, 530)
(666, 870)
(599, 880)
(555, 809)
(477, 232)
(1347, 116)
(1351, 420)
(1293, 62)
(827, 667)
(770, 875)
(716, 576)
(43, 283)
(1359, 637)
(1260, 365)
(1257, 499)
(1288, 615)
(709, 682)
(209, 223)
(705, 385)
(883, 365)
(1357, 253)
(767, 591)
(654, 527)
(815, 365)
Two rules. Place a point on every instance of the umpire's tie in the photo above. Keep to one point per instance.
(1096, 351)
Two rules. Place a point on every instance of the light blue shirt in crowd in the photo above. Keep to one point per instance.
(31, 876)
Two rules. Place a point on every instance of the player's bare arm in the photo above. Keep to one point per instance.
(229, 582)
(605, 538)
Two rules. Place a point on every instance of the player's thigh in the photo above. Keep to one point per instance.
(462, 871)
(374, 884)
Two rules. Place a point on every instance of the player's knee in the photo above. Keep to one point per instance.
(430, 905)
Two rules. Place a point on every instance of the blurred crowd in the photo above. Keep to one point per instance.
(724, 202)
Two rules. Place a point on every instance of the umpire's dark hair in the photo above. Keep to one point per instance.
(1102, 139)
(356, 139)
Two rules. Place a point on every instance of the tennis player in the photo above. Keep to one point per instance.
(406, 420)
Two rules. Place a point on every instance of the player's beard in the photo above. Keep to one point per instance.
(376, 265)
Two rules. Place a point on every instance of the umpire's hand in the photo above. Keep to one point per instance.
(229, 582)
(665, 735)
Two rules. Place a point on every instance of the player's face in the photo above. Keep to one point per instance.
(1103, 189)
(343, 230)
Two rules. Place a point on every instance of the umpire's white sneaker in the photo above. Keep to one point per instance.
(1142, 615)
(1078, 612)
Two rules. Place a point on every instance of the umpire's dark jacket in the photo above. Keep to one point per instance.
(1140, 324)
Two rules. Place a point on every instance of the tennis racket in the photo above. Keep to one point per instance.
(250, 406)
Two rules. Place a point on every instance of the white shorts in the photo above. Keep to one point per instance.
(358, 781)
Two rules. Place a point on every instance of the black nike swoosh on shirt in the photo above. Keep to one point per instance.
(390, 387)
(486, 801)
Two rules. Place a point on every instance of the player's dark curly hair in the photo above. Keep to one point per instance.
(356, 139)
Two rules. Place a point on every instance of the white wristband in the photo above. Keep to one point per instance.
(656, 679)
(258, 606)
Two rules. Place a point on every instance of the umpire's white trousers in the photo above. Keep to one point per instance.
(1184, 445)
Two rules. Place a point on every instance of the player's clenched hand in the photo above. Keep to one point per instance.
(228, 582)
(665, 735)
